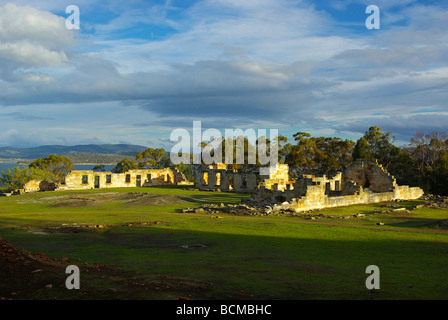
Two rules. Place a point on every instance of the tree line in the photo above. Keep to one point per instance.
(423, 162)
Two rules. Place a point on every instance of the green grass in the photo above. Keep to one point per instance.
(274, 257)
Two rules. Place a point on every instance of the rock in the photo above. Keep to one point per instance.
(380, 224)
(36, 271)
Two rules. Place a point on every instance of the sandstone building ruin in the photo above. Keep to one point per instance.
(89, 179)
(218, 177)
(365, 181)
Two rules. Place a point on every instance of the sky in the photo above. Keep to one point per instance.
(136, 70)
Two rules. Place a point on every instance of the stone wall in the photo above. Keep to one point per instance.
(316, 198)
(220, 177)
(39, 185)
(32, 186)
(89, 179)
(369, 174)
(278, 178)
(226, 180)
(365, 181)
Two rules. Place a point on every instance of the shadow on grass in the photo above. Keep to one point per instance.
(413, 222)
(254, 260)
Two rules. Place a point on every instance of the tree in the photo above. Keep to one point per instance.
(17, 178)
(318, 155)
(376, 144)
(405, 170)
(243, 154)
(428, 151)
(152, 158)
(439, 176)
(187, 170)
(125, 165)
(99, 168)
(300, 155)
(282, 148)
(332, 154)
(58, 166)
(362, 150)
(427, 148)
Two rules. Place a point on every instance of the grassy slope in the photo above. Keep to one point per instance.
(249, 257)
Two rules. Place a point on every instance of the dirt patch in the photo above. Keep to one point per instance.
(127, 199)
(146, 199)
(35, 276)
(142, 224)
(74, 202)
(76, 229)
(25, 275)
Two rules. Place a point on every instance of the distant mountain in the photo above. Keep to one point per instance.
(44, 151)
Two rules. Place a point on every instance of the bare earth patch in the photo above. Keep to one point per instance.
(29, 276)
(95, 199)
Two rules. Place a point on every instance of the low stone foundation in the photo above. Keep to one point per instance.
(364, 182)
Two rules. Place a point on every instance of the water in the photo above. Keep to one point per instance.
(4, 166)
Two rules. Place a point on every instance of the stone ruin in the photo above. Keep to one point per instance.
(364, 182)
(219, 177)
(89, 179)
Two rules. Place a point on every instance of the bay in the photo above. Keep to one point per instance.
(4, 166)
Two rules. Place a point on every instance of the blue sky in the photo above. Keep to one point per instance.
(136, 70)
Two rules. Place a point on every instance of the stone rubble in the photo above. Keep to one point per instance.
(265, 208)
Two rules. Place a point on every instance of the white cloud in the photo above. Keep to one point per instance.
(232, 63)
(26, 22)
(31, 38)
(25, 53)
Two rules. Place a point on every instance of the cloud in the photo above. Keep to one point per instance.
(32, 24)
(382, 4)
(228, 63)
(402, 127)
(25, 53)
(31, 38)
(23, 117)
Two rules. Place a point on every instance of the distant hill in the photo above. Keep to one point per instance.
(98, 158)
(44, 151)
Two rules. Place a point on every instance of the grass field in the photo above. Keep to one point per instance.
(139, 247)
